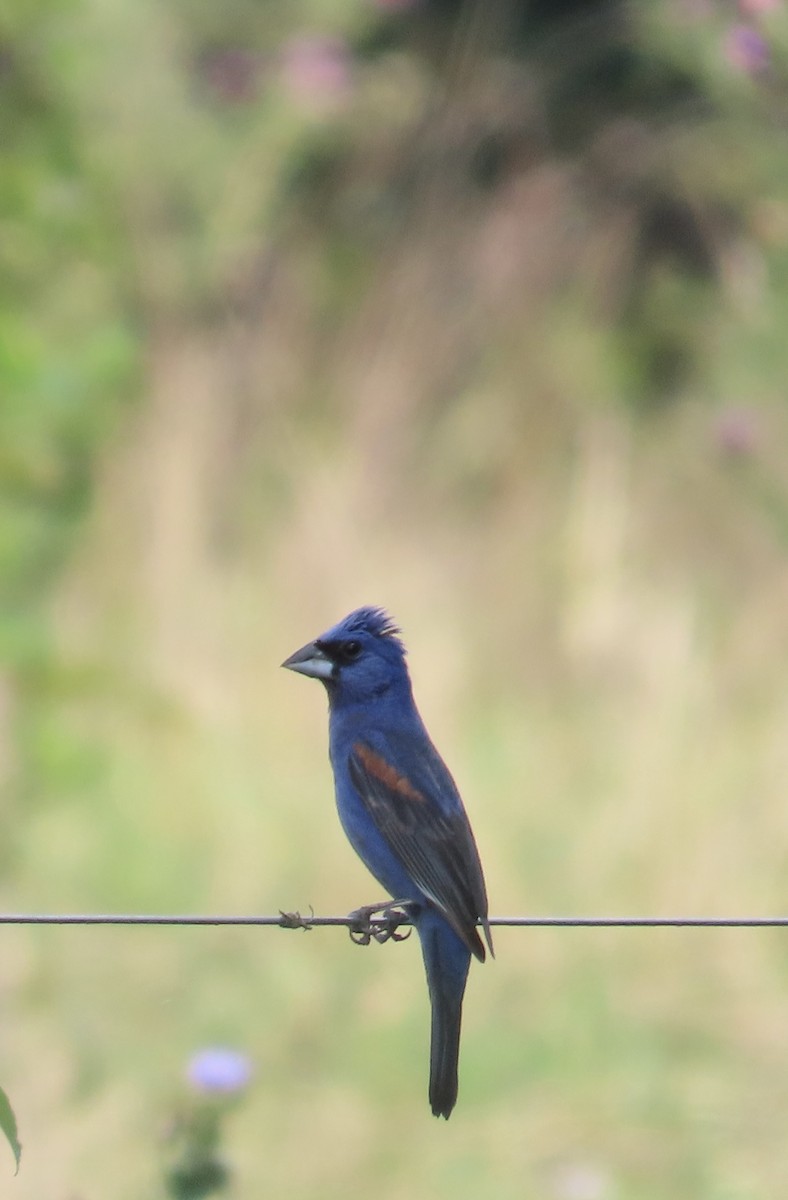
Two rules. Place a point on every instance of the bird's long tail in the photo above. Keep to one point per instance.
(444, 1053)
(446, 960)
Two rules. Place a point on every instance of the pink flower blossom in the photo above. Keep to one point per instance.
(754, 8)
(317, 69)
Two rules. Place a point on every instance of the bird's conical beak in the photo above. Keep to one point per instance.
(310, 660)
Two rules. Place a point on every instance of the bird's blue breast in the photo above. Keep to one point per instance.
(364, 835)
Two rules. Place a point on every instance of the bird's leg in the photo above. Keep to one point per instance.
(392, 914)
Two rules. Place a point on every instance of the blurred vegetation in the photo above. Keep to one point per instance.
(476, 310)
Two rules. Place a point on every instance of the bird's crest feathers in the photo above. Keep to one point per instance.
(375, 621)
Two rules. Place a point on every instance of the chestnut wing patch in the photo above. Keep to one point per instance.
(435, 847)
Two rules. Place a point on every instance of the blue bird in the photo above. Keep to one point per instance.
(403, 815)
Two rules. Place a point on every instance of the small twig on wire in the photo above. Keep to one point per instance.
(294, 920)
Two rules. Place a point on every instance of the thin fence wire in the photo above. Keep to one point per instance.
(295, 920)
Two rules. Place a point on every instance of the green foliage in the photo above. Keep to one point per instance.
(67, 350)
(8, 1127)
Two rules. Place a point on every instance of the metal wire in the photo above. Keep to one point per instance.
(298, 921)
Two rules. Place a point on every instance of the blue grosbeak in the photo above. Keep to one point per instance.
(403, 815)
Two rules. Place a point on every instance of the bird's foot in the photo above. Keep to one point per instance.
(379, 921)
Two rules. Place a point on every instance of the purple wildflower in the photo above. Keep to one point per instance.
(736, 433)
(747, 50)
(219, 1071)
(232, 73)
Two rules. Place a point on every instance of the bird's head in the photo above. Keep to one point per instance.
(358, 659)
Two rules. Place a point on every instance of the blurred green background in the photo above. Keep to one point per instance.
(476, 310)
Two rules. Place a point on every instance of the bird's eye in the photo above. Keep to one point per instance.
(351, 650)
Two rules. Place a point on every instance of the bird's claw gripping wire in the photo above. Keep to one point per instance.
(294, 920)
(388, 917)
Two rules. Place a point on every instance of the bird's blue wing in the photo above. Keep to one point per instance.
(421, 817)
